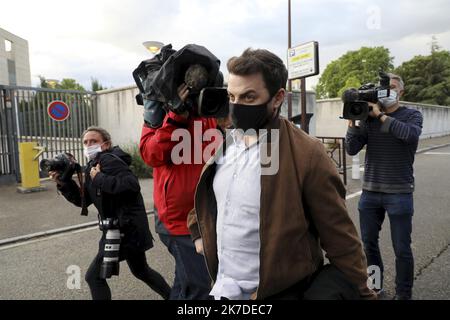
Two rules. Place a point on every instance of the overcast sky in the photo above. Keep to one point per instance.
(103, 39)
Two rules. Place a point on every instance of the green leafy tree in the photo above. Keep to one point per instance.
(435, 45)
(95, 85)
(427, 78)
(353, 68)
(69, 84)
(351, 82)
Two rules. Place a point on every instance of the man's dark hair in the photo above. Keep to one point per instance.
(262, 61)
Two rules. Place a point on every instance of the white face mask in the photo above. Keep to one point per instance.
(391, 100)
(91, 151)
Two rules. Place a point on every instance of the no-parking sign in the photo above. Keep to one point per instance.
(58, 110)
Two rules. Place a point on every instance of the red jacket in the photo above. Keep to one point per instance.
(174, 184)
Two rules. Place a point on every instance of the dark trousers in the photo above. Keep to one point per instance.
(400, 208)
(327, 283)
(191, 275)
(139, 267)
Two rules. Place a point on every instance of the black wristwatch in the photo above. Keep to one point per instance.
(380, 115)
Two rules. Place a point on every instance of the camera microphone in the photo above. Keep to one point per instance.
(196, 78)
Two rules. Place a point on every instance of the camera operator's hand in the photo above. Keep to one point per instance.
(94, 171)
(183, 93)
(55, 177)
(375, 110)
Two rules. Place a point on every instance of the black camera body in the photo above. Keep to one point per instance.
(213, 102)
(64, 163)
(356, 105)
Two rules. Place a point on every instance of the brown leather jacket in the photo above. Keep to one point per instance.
(302, 211)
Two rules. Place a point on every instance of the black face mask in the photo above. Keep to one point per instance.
(247, 117)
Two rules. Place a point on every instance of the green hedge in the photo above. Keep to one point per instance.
(138, 166)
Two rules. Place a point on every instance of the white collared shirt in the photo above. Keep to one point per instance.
(237, 187)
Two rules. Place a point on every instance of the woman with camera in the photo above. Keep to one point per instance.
(115, 192)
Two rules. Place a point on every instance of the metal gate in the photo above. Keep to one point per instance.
(24, 118)
(9, 162)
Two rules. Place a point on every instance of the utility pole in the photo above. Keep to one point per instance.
(302, 83)
(289, 88)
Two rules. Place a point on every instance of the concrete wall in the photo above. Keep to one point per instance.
(327, 115)
(436, 119)
(120, 115)
(19, 54)
(297, 107)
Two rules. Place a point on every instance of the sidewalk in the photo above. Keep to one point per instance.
(22, 214)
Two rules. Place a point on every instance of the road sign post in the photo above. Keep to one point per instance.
(303, 62)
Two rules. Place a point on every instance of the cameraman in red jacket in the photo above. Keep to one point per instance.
(174, 189)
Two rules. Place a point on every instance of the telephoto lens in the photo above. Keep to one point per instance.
(110, 264)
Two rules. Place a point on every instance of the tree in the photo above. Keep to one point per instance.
(43, 82)
(427, 78)
(434, 44)
(70, 84)
(354, 67)
(351, 82)
(95, 85)
(65, 84)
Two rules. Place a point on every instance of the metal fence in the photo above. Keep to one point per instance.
(335, 147)
(24, 118)
(9, 162)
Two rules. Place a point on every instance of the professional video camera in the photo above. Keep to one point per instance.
(64, 163)
(110, 264)
(205, 101)
(158, 80)
(356, 105)
(144, 75)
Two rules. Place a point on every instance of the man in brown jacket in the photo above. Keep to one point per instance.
(261, 221)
